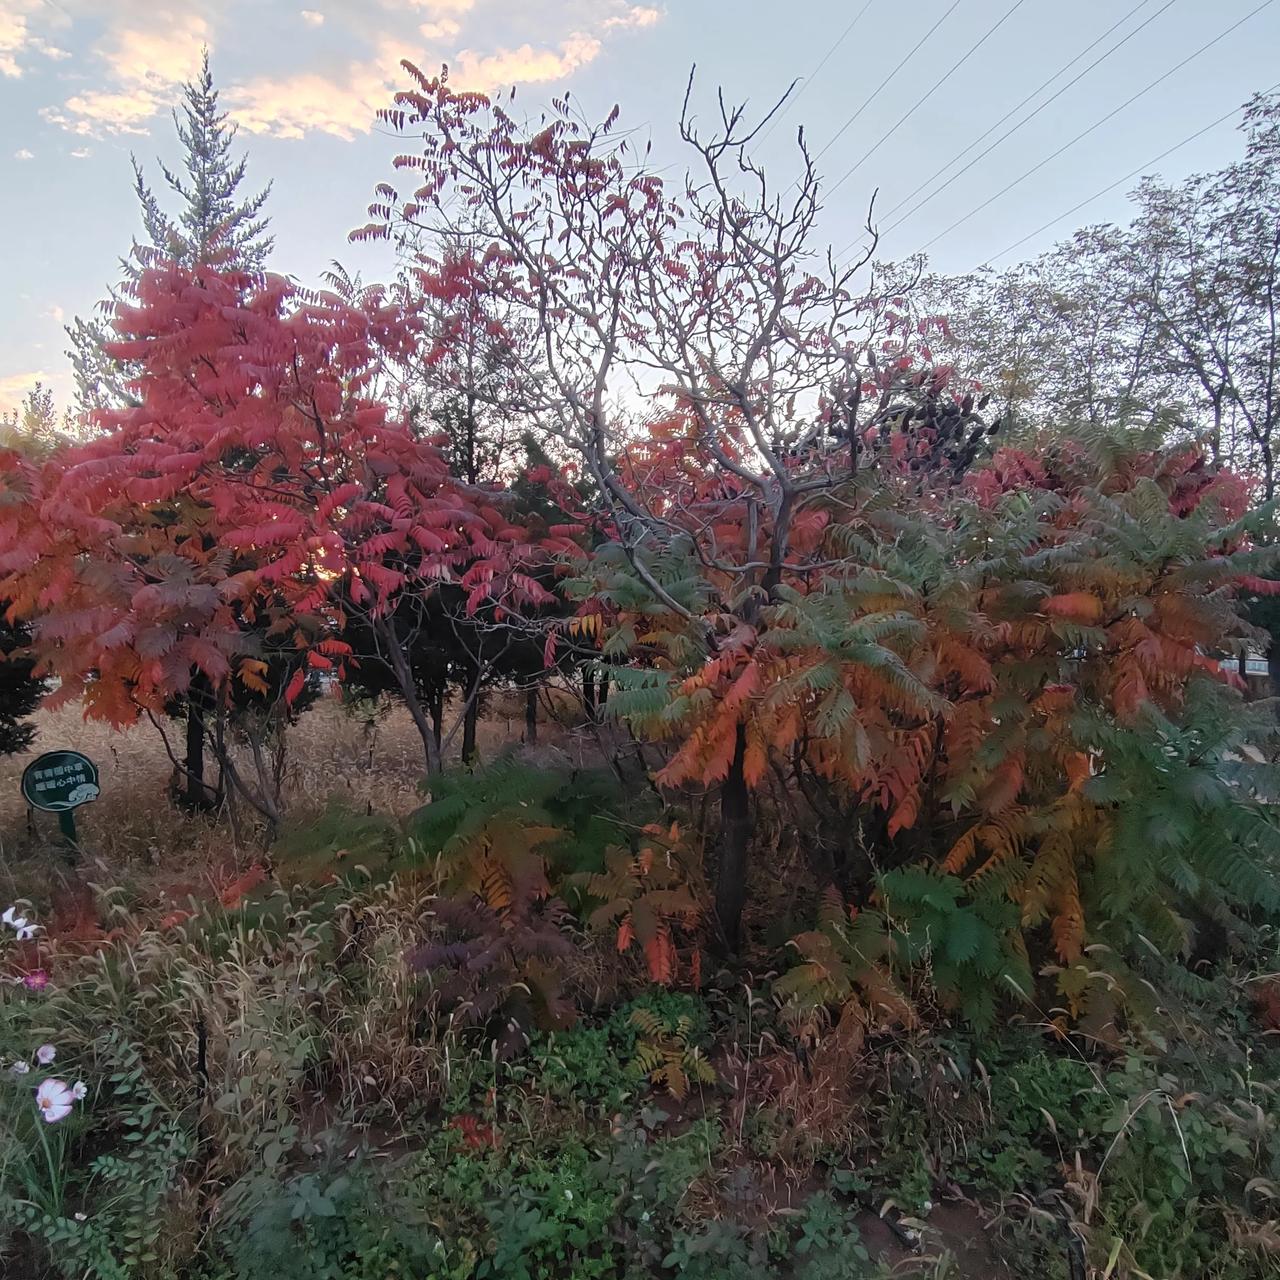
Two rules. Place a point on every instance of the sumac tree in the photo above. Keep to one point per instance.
(252, 486)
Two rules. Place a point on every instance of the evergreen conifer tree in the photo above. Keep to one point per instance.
(214, 224)
(20, 689)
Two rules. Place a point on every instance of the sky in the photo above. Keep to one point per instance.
(888, 94)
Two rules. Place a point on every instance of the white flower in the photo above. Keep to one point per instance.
(15, 921)
(80, 1217)
(568, 1195)
(79, 1090)
(20, 1068)
(45, 1054)
(27, 931)
(55, 1100)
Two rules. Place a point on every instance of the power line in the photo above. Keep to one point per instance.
(1008, 133)
(1145, 167)
(1015, 109)
(876, 91)
(1099, 123)
(805, 83)
(902, 119)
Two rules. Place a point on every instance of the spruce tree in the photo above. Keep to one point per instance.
(214, 225)
(32, 430)
(20, 689)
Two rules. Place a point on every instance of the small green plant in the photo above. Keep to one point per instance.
(666, 1053)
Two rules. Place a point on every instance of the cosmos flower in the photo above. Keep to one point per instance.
(36, 980)
(20, 1068)
(55, 1098)
(79, 1090)
(45, 1054)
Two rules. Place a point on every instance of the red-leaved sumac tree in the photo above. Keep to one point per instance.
(814, 579)
(705, 300)
(257, 490)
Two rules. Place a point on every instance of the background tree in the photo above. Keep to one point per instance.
(1169, 321)
(252, 489)
(1203, 260)
(214, 226)
(717, 296)
(20, 689)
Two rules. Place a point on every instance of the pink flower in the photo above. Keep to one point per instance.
(55, 1099)
(36, 980)
(45, 1054)
(79, 1090)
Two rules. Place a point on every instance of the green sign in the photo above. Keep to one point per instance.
(59, 781)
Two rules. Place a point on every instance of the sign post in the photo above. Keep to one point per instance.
(59, 782)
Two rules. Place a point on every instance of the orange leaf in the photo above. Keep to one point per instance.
(1076, 606)
(626, 935)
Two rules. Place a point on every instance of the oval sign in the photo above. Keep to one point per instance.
(60, 780)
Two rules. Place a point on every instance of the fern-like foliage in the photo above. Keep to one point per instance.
(667, 1054)
(844, 974)
(1014, 687)
(653, 899)
(507, 845)
(500, 971)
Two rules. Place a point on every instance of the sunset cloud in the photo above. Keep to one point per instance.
(341, 103)
(17, 36)
(471, 70)
(637, 16)
(16, 385)
(143, 56)
(144, 67)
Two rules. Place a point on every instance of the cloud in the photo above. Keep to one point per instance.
(16, 385)
(146, 53)
(342, 103)
(81, 153)
(444, 8)
(526, 65)
(144, 66)
(17, 37)
(442, 29)
(53, 312)
(23, 154)
(636, 16)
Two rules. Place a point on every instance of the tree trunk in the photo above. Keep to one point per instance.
(735, 831)
(195, 795)
(589, 690)
(400, 668)
(437, 715)
(531, 716)
(602, 692)
(194, 762)
(470, 719)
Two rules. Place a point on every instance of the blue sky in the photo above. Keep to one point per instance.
(83, 83)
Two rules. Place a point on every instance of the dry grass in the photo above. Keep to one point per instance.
(135, 836)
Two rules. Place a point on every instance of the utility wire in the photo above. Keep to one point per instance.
(902, 119)
(1014, 110)
(1133, 173)
(848, 124)
(784, 107)
(1035, 168)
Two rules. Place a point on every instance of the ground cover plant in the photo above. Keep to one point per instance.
(778, 829)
